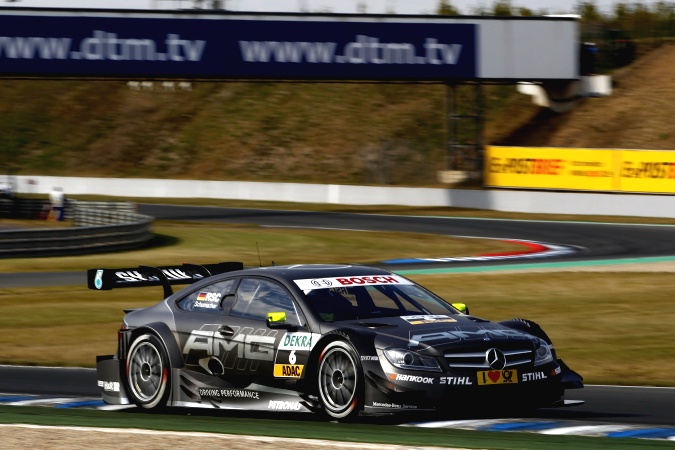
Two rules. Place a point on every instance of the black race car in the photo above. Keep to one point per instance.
(339, 339)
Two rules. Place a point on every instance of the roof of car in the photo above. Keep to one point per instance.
(304, 271)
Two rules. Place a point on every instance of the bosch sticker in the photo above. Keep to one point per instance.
(325, 283)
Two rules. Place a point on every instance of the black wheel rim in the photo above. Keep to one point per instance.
(145, 372)
(337, 380)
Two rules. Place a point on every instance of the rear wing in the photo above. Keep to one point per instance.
(165, 276)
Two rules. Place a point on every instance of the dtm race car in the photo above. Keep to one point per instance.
(340, 339)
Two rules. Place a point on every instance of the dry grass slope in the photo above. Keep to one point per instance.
(638, 115)
(321, 133)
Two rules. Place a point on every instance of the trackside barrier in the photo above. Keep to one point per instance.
(523, 201)
(97, 227)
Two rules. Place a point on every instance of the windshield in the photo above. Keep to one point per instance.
(374, 301)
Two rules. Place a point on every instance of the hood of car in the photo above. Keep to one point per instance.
(435, 335)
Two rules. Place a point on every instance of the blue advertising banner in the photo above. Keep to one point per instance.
(229, 47)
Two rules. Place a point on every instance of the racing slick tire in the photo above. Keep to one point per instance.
(148, 373)
(340, 381)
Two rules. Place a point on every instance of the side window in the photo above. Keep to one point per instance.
(208, 299)
(256, 297)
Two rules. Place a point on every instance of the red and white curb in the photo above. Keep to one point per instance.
(531, 249)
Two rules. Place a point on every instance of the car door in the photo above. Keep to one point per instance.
(255, 298)
(223, 327)
(200, 317)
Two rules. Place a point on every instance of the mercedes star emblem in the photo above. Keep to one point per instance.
(495, 359)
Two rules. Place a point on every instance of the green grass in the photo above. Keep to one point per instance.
(293, 426)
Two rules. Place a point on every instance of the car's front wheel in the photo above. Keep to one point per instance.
(148, 372)
(340, 381)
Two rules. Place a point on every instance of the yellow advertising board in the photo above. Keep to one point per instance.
(550, 168)
(581, 169)
(647, 171)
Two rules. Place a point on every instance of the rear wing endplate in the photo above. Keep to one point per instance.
(165, 276)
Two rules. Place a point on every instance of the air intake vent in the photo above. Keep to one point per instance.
(478, 360)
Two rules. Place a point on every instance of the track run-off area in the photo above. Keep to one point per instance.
(611, 413)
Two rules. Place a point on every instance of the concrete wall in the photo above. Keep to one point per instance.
(498, 200)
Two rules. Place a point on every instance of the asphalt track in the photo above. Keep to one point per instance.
(590, 241)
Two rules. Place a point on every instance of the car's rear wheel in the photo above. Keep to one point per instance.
(340, 381)
(148, 372)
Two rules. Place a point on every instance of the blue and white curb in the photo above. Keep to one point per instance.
(547, 427)
(57, 402)
(557, 428)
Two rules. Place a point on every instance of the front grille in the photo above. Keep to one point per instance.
(477, 360)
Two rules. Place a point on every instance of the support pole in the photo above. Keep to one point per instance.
(464, 128)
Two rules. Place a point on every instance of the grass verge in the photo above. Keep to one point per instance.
(292, 427)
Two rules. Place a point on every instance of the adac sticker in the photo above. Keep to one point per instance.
(299, 341)
(288, 370)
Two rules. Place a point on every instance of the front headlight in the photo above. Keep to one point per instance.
(409, 360)
(542, 353)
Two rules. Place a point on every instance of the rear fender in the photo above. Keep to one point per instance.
(168, 339)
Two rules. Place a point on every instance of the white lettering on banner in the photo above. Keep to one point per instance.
(363, 50)
(102, 46)
(283, 405)
(325, 283)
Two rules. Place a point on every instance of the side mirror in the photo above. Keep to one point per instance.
(276, 319)
(461, 307)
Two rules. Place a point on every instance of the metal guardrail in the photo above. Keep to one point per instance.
(97, 227)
